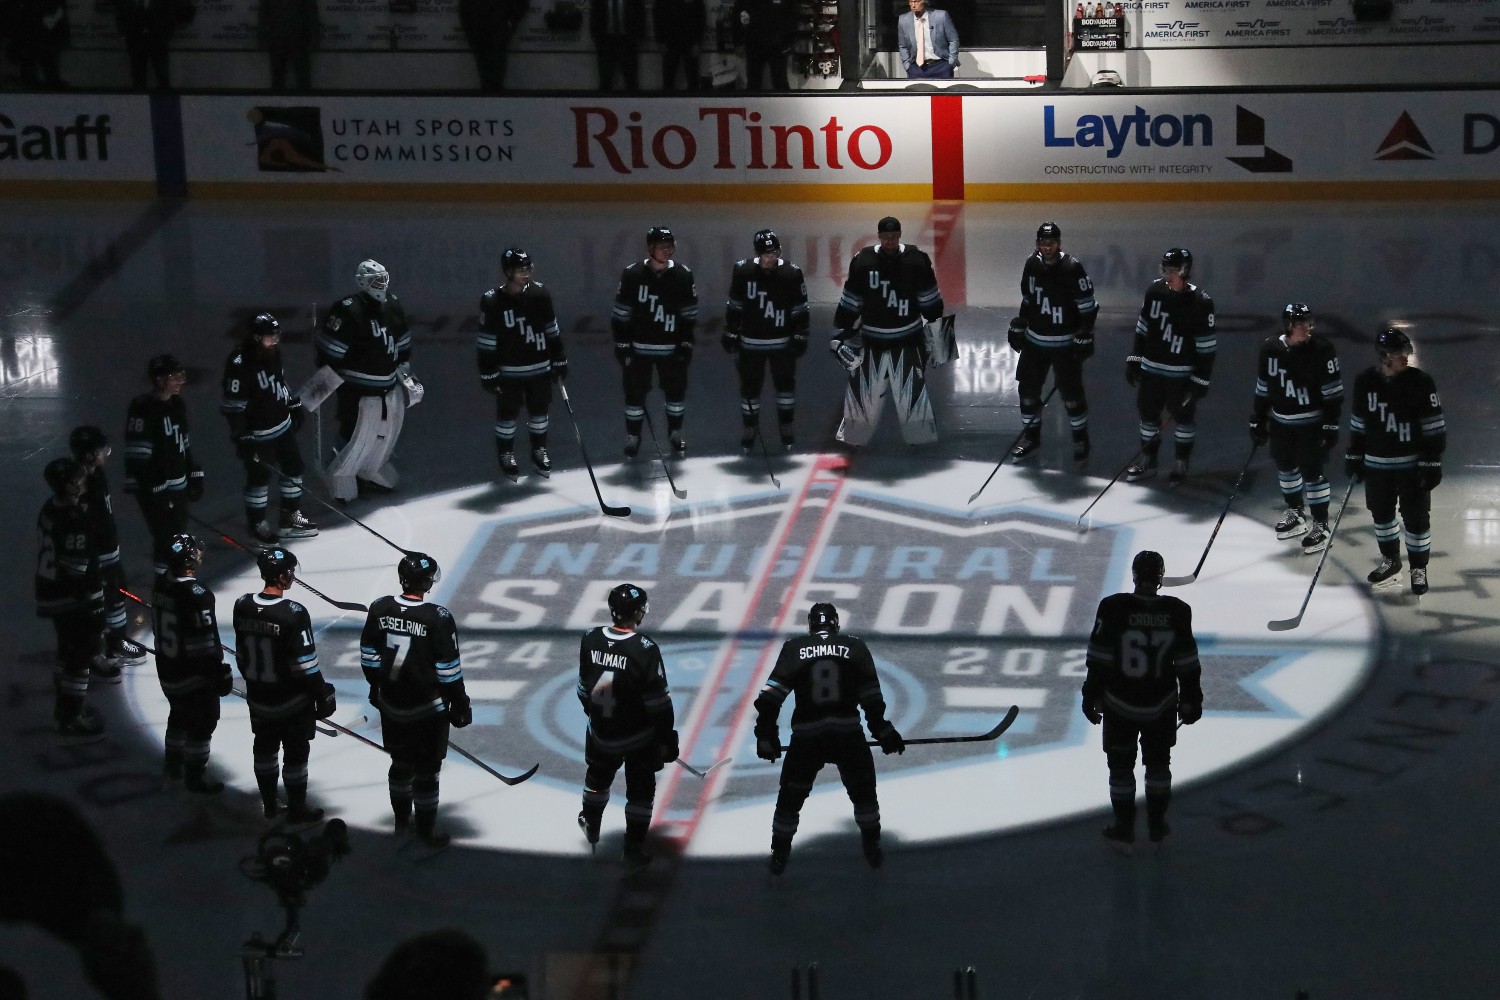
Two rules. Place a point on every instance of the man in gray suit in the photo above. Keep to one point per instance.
(928, 41)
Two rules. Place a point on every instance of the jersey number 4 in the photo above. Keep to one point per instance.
(603, 694)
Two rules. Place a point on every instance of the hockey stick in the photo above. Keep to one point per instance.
(341, 605)
(1178, 581)
(490, 770)
(1287, 624)
(340, 513)
(766, 452)
(679, 494)
(1026, 425)
(1139, 452)
(993, 734)
(702, 772)
(606, 508)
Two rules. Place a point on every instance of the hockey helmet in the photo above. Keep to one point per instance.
(1296, 312)
(276, 562)
(1049, 231)
(264, 325)
(87, 441)
(164, 366)
(63, 474)
(823, 617)
(513, 260)
(1148, 567)
(627, 602)
(1179, 259)
(184, 553)
(418, 571)
(659, 234)
(1393, 340)
(373, 279)
(766, 242)
(889, 224)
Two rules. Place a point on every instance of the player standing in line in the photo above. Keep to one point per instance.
(889, 296)
(1171, 364)
(1143, 676)
(622, 684)
(159, 465)
(69, 592)
(832, 676)
(263, 420)
(285, 688)
(1396, 441)
(765, 325)
(189, 665)
(1299, 395)
(1055, 329)
(520, 355)
(91, 449)
(655, 315)
(409, 653)
(366, 340)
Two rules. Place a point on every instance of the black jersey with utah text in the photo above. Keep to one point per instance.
(891, 294)
(518, 335)
(256, 399)
(1299, 386)
(158, 447)
(1142, 656)
(656, 312)
(1397, 422)
(274, 647)
(622, 684)
(766, 308)
(1057, 303)
(1174, 335)
(409, 653)
(187, 635)
(67, 563)
(831, 676)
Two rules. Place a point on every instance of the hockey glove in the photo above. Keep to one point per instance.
(460, 712)
(1016, 335)
(298, 415)
(849, 357)
(327, 702)
(799, 344)
(244, 449)
(730, 342)
(490, 383)
(1091, 711)
(768, 747)
(1083, 349)
(1259, 434)
(684, 351)
(560, 370)
(622, 353)
(195, 488)
(1429, 474)
(890, 740)
(1354, 467)
(1330, 436)
(1132, 372)
(669, 748)
(226, 681)
(1189, 711)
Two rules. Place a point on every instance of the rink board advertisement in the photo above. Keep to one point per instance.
(1171, 24)
(813, 141)
(1232, 138)
(82, 137)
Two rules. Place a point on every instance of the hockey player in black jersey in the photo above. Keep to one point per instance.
(765, 325)
(654, 322)
(159, 466)
(890, 295)
(520, 355)
(832, 676)
(69, 593)
(90, 448)
(263, 417)
(1396, 441)
(366, 340)
(286, 690)
(622, 685)
(1299, 395)
(189, 665)
(1171, 364)
(1054, 329)
(409, 653)
(1143, 676)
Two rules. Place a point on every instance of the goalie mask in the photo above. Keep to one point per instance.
(373, 279)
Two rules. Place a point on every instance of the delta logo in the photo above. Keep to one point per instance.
(1405, 141)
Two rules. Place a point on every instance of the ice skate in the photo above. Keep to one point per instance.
(1144, 467)
(1387, 576)
(1317, 538)
(294, 524)
(1292, 524)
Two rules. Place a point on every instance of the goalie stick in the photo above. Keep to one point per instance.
(1287, 624)
(705, 771)
(993, 734)
(660, 457)
(1178, 581)
(621, 511)
(490, 770)
(1005, 455)
(341, 605)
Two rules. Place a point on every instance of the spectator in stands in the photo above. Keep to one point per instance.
(765, 28)
(679, 34)
(928, 42)
(617, 28)
(488, 27)
(147, 26)
(38, 32)
(289, 31)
